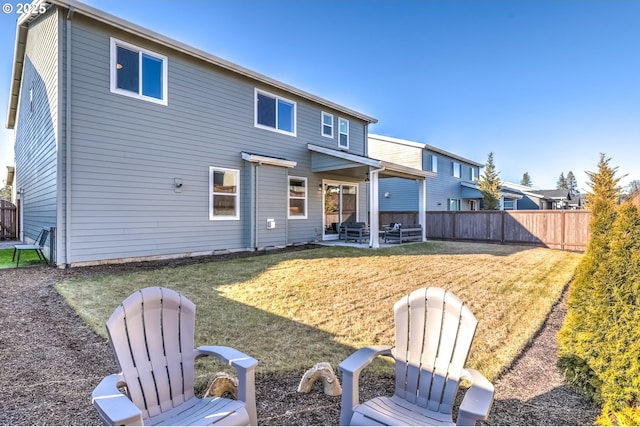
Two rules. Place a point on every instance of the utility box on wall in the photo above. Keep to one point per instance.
(271, 224)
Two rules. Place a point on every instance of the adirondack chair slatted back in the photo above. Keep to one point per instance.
(152, 334)
(434, 331)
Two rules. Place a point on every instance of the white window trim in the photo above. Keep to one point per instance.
(340, 121)
(306, 197)
(453, 169)
(276, 97)
(322, 125)
(213, 217)
(114, 79)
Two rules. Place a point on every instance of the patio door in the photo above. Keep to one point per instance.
(340, 202)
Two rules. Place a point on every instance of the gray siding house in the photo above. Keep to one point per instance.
(135, 146)
(450, 184)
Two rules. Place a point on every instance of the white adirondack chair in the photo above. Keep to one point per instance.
(152, 335)
(433, 333)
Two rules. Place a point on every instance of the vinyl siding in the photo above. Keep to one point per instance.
(126, 153)
(36, 129)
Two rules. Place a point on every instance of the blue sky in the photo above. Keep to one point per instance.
(544, 85)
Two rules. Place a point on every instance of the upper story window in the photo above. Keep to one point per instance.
(432, 163)
(327, 125)
(138, 73)
(297, 197)
(474, 174)
(343, 133)
(275, 113)
(455, 169)
(224, 193)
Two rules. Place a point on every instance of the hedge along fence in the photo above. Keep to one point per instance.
(557, 229)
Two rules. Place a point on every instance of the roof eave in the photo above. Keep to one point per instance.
(155, 37)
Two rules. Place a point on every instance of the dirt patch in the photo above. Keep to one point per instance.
(51, 362)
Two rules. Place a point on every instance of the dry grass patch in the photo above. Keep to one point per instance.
(292, 310)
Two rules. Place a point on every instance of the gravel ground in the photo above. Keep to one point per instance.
(51, 362)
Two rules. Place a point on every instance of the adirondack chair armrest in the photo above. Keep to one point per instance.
(245, 367)
(114, 407)
(477, 400)
(351, 368)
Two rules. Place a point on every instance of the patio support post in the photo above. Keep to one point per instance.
(374, 222)
(422, 206)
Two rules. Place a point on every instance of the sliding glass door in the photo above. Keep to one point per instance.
(340, 201)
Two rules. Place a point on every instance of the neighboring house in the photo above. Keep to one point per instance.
(525, 197)
(451, 185)
(136, 146)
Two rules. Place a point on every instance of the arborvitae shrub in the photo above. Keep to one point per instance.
(600, 339)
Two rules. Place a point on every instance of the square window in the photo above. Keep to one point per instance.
(343, 133)
(327, 125)
(275, 113)
(138, 73)
(224, 193)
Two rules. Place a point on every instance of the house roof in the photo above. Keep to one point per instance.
(357, 165)
(553, 194)
(77, 7)
(424, 147)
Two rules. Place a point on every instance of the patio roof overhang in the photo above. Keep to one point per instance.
(352, 165)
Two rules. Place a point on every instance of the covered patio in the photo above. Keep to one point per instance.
(367, 169)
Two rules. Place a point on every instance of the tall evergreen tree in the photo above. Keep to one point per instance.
(489, 185)
(572, 183)
(579, 329)
(526, 180)
(561, 184)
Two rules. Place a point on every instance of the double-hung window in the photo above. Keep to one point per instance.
(432, 163)
(275, 113)
(224, 193)
(327, 125)
(138, 72)
(343, 133)
(297, 197)
(455, 169)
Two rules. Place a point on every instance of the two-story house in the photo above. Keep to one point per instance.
(132, 145)
(451, 184)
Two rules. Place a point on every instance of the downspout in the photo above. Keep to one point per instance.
(374, 223)
(255, 206)
(67, 224)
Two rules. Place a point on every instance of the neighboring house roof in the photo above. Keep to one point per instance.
(505, 191)
(81, 8)
(554, 194)
(425, 147)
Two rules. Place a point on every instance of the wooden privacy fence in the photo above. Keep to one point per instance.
(8, 222)
(558, 229)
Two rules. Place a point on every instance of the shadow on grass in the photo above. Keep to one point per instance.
(27, 258)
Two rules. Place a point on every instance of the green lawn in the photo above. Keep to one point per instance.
(27, 258)
(291, 310)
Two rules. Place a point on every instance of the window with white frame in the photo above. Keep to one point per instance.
(224, 193)
(432, 163)
(327, 125)
(297, 197)
(343, 133)
(474, 174)
(454, 204)
(275, 113)
(138, 73)
(455, 169)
